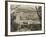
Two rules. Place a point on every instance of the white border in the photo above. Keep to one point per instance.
(29, 32)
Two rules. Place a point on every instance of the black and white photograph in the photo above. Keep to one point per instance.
(25, 18)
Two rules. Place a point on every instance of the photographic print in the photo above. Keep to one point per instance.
(25, 18)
